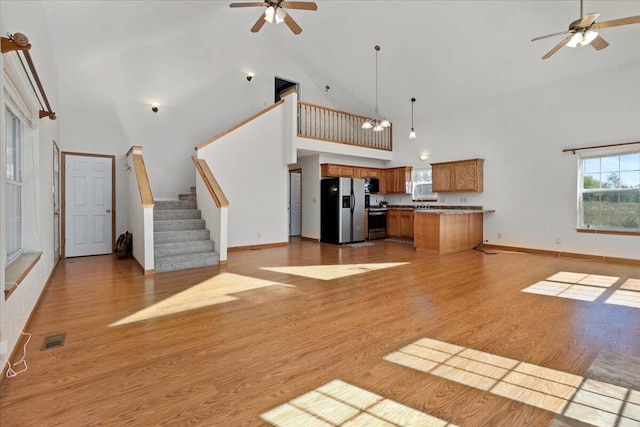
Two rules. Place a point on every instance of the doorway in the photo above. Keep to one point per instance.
(284, 85)
(56, 204)
(88, 204)
(295, 202)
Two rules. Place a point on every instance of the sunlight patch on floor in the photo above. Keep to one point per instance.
(335, 271)
(212, 291)
(584, 279)
(341, 404)
(594, 402)
(588, 287)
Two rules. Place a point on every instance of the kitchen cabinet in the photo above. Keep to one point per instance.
(460, 176)
(328, 169)
(447, 233)
(395, 180)
(400, 223)
(406, 224)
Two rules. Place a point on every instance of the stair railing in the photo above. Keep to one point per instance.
(140, 209)
(327, 124)
(214, 208)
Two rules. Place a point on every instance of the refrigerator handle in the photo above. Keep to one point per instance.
(353, 201)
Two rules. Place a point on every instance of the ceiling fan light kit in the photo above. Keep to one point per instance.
(274, 16)
(581, 32)
(275, 13)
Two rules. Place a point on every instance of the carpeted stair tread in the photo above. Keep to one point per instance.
(163, 215)
(178, 248)
(187, 196)
(160, 237)
(186, 261)
(179, 224)
(162, 205)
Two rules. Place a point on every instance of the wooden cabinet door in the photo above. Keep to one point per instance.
(406, 224)
(465, 177)
(441, 178)
(346, 171)
(373, 173)
(393, 223)
(383, 181)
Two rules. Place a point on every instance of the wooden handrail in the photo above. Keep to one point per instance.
(211, 183)
(242, 123)
(146, 196)
(18, 42)
(132, 149)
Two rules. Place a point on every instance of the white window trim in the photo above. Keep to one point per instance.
(18, 96)
(597, 153)
(414, 184)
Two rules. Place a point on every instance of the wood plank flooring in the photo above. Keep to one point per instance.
(242, 354)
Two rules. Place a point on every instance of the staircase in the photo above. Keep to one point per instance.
(180, 238)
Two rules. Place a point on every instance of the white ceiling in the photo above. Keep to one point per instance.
(444, 53)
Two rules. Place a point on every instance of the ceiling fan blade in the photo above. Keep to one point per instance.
(259, 23)
(293, 25)
(588, 20)
(255, 4)
(303, 5)
(550, 35)
(599, 43)
(557, 47)
(617, 22)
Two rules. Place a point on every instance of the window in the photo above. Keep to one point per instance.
(422, 185)
(13, 167)
(609, 193)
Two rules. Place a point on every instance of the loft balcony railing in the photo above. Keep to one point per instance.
(327, 124)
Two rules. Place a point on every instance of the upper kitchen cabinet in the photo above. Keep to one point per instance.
(462, 176)
(328, 169)
(395, 180)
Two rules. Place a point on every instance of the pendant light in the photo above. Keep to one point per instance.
(376, 124)
(412, 134)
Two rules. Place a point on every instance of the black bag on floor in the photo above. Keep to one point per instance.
(123, 247)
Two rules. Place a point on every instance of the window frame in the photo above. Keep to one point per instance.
(14, 186)
(581, 191)
(415, 184)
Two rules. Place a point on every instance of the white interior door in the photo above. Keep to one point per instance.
(295, 211)
(56, 203)
(88, 210)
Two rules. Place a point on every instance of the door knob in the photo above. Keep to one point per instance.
(108, 210)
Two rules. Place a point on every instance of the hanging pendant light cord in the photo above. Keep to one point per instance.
(413, 100)
(377, 49)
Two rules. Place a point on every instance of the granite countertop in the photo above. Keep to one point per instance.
(454, 211)
(441, 209)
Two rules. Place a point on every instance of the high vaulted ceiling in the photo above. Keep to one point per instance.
(444, 53)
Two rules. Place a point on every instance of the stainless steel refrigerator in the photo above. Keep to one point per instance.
(341, 210)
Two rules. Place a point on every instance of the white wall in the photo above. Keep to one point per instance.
(27, 18)
(248, 165)
(528, 180)
(202, 91)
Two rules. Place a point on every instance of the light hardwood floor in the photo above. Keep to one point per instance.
(222, 346)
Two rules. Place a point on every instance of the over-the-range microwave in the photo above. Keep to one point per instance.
(371, 185)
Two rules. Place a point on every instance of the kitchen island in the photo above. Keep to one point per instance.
(444, 231)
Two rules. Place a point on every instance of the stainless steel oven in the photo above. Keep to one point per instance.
(377, 219)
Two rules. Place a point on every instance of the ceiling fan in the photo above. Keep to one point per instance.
(275, 12)
(582, 32)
